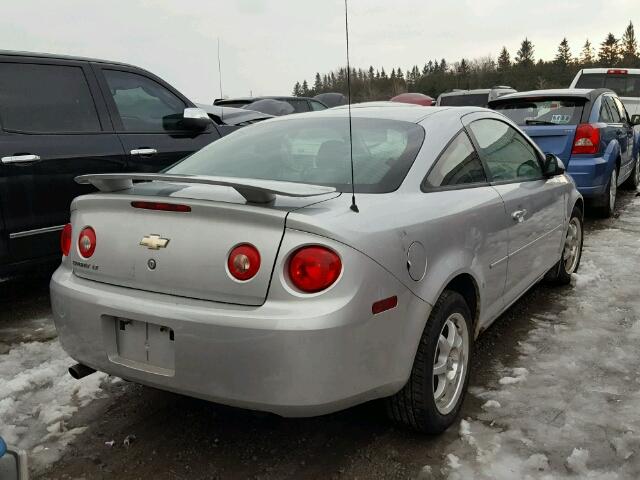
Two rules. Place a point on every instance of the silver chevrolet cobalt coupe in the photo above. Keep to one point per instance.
(244, 274)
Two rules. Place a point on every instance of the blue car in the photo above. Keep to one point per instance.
(589, 130)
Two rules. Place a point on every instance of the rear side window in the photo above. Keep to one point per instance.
(458, 165)
(143, 104)
(299, 106)
(622, 110)
(613, 108)
(627, 85)
(317, 105)
(46, 99)
(471, 100)
(543, 111)
(507, 154)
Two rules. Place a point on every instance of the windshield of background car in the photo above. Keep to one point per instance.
(315, 151)
(470, 100)
(543, 111)
(624, 85)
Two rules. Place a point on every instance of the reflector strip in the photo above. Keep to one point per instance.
(384, 305)
(164, 207)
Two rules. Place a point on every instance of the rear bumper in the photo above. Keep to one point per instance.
(274, 357)
(591, 174)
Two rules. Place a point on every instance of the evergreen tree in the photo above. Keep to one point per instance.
(609, 54)
(524, 57)
(504, 60)
(297, 90)
(463, 67)
(629, 47)
(305, 89)
(383, 74)
(588, 55)
(317, 86)
(443, 66)
(563, 57)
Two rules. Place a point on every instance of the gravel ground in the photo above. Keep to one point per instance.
(537, 386)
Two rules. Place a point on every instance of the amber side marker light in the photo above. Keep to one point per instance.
(384, 305)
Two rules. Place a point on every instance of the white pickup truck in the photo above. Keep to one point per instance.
(624, 81)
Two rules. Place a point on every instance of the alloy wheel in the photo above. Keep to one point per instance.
(571, 252)
(450, 363)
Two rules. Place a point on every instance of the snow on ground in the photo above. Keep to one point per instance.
(570, 407)
(38, 397)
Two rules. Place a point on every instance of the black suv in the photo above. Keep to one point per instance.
(64, 116)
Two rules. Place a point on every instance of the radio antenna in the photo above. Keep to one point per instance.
(220, 83)
(354, 207)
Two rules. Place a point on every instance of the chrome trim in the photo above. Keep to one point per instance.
(20, 159)
(515, 252)
(35, 231)
(144, 151)
(498, 262)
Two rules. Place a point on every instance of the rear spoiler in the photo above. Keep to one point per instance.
(253, 190)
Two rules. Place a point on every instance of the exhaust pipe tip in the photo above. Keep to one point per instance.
(79, 371)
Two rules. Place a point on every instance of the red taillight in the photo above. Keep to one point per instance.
(587, 139)
(244, 262)
(313, 269)
(87, 242)
(164, 207)
(617, 71)
(65, 240)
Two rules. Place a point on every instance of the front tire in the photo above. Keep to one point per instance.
(561, 273)
(433, 395)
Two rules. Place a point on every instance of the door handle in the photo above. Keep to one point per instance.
(144, 151)
(27, 158)
(519, 215)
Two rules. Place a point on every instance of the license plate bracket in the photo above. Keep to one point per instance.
(144, 345)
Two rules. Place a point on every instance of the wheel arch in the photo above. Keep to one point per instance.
(466, 285)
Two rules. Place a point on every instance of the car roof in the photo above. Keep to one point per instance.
(404, 112)
(586, 93)
(476, 91)
(55, 56)
(633, 71)
(264, 97)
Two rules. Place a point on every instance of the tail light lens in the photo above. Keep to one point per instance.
(587, 139)
(87, 242)
(244, 262)
(313, 269)
(65, 240)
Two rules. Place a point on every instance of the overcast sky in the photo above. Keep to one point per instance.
(267, 45)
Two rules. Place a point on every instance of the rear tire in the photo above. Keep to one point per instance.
(561, 273)
(433, 395)
(634, 179)
(609, 196)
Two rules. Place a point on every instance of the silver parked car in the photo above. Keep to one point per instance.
(243, 275)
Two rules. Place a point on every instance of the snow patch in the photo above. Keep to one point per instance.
(38, 397)
(491, 404)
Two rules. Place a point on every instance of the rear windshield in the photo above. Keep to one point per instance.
(315, 151)
(470, 100)
(624, 85)
(546, 111)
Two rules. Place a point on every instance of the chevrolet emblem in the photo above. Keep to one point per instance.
(154, 242)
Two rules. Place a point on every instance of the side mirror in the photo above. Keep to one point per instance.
(195, 119)
(635, 120)
(552, 166)
(13, 465)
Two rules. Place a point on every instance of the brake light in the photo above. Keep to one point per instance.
(587, 139)
(87, 242)
(164, 207)
(617, 71)
(314, 268)
(244, 262)
(65, 239)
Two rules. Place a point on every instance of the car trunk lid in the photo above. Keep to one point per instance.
(556, 139)
(181, 253)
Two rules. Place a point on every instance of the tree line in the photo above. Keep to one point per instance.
(523, 72)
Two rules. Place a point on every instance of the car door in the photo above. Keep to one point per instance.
(53, 127)
(534, 205)
(147, 115)
(475, 231)
(625, 137)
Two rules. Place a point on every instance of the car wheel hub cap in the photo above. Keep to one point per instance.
(450, 363)
(572, 243)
